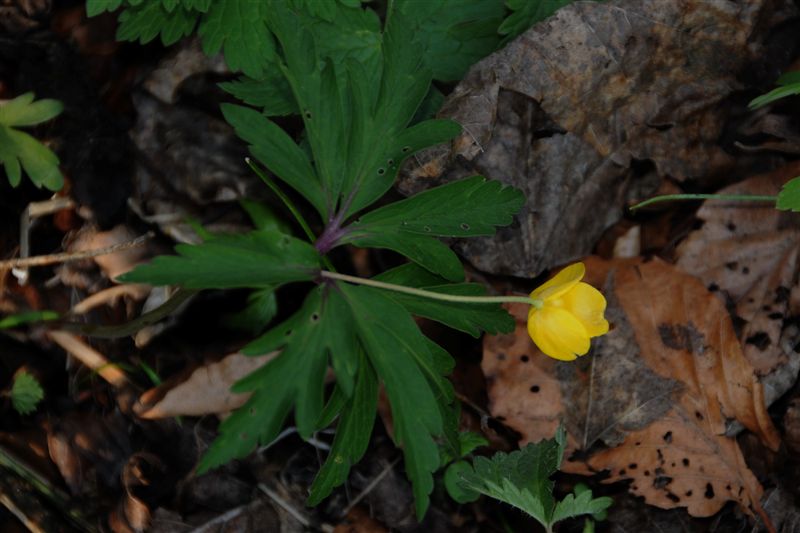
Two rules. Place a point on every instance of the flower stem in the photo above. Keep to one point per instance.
(289, 205)
(431, 294)
(285, 199)
(734, 197)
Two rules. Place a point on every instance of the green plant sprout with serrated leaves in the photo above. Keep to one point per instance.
(522, 480)
(25, 393)
(18, 150)
(364, 96)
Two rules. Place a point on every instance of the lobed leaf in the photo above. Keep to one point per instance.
(265, 258)
(465, 208)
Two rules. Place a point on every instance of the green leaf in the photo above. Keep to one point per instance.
(789, 197)
(526, 13)
(469, 318)
(239, 26)
(789, 78)
(465, 208)
(18, 150)
(26, 393)
(576, 505)
(263, 217)
(95, 7)
(452, 482)
(356, 115)
(147, 20)
(409, 369)
(775, 94)
(23, 111)
(352, 435)
(322, 328)
(271, 93)
(261, 308)
(454, 33)
(265, 258)
(470, 441)
(277, 151)
(521, 478)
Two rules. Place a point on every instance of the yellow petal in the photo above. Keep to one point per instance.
(560, 283)
(587, 304)
(557, 333)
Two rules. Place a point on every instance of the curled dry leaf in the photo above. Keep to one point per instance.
(655, 394)
(590, 109)
(748, 254)
(207, 390)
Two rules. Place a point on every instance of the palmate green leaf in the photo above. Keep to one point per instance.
(26, 393)
(410, 370)
(19, 151)
(145, 21)
(526, 13)
(95, 7)
(271, 93)
(465, 208)
(352, 434)
(469, 318)
(261, 308)
(266, 258)
(454, 33)
(357, 136)
(271, 145)
(320, 330)
(789, 197)
(239, 26)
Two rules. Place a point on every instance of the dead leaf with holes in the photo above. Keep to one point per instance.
(653, 400)
(748, 254)
(207, 390)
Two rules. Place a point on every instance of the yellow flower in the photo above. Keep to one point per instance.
(568, 314)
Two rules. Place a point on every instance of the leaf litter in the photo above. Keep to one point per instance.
(653, 400)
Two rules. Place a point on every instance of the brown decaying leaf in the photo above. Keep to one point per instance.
(657, 391)
(590, 109)
(748, 254)
(207, 390)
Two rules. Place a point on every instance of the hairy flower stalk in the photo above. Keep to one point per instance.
(565, 312)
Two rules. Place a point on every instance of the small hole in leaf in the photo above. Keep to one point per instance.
(315, 317)
(381, 171)
(698, 415)
(633, 466)
(709, 493)
(288, 332)
(390, 162)
(426, 229)
(667, 437)
(535, 388)
(685, 461)
(464, 226)
(406, 149)
(252, 411)
(524, 358)
(307, 114)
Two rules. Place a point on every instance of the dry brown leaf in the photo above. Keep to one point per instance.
(207, 390)
(669, 376)
(590, 109)
(748, 254)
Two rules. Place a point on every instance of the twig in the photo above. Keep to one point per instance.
(90, 357)
(42, 260)
(32, 212)
(286, 506)
(368, 488)
(110, 294)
